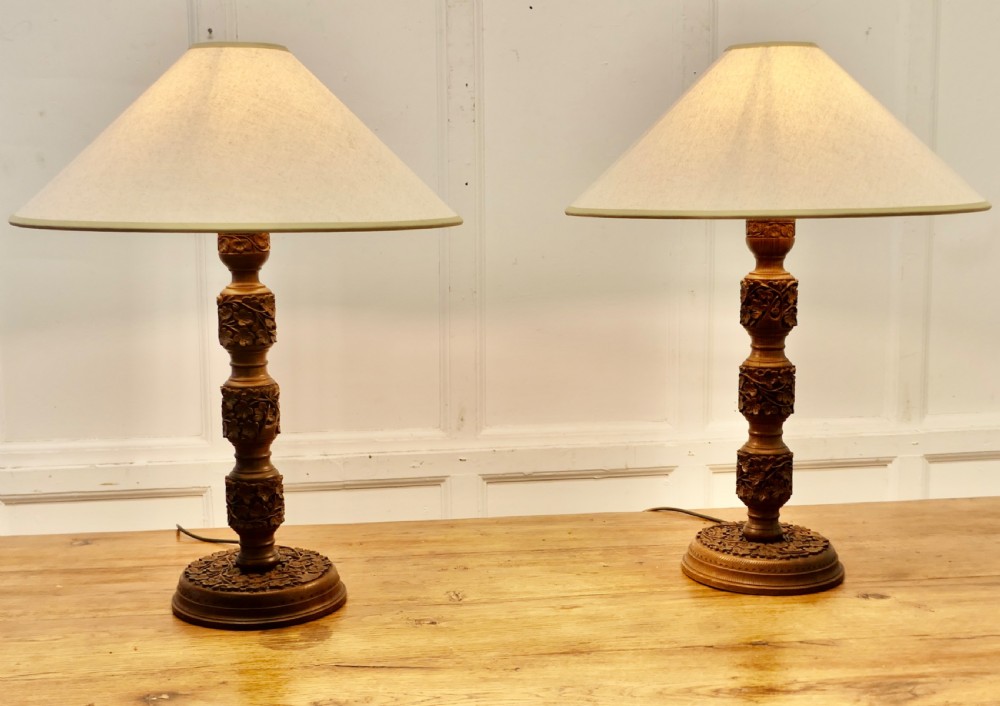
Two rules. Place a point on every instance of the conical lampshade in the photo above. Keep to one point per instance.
(772, 133)
(777, 130)
(242, 140)
(236, 137)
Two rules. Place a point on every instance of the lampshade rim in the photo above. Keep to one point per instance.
(154, 227)
(788, 213)
(253, 45)
(755, 45)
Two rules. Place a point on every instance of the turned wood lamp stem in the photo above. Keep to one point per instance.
(250, 414)
(768, 298)
(260, 585)
(762, 555)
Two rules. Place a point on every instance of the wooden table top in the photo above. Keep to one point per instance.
(575, 609)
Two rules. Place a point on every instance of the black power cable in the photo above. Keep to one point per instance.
(685, 512)
(213, 540)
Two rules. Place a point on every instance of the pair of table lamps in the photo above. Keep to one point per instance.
(242, 140)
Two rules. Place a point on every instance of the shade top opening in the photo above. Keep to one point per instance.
(254, 45)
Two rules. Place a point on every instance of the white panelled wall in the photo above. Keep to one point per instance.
(526, 362)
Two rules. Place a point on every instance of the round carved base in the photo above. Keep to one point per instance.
(213, 592)
(803, 562)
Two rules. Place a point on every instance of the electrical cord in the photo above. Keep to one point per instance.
(213, 540)
(685, 512)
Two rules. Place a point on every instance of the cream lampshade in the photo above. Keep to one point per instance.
(771, 133)
(236, 138)
(242, 140)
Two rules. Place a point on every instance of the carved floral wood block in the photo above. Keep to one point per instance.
(764, 479)
(250, 414)
(246, 320)
(253, 505)
(769, 301)
(767, 392)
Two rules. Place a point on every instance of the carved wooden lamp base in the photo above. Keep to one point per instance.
(802, 562)
(260, 585)
(214, 592)
(762, 555)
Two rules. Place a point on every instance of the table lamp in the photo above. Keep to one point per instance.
(772, 133)
(240, 139)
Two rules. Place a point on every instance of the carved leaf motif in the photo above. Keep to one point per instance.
(769, 301)
(798, 542)
(255, 505)
(763, 480)
(239, 243)
(247, 320)
(770, 229)
(219, 571)
(768, 392)
(250, 413)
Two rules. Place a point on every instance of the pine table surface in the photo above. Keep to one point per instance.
(568, 609)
